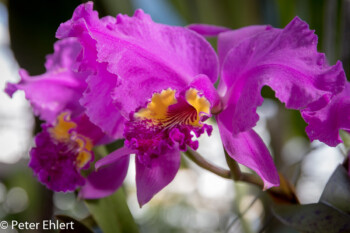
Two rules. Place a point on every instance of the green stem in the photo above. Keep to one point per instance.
(252, 179)
(234, 167)
(284, 193)
(234, 172)
(200, 161)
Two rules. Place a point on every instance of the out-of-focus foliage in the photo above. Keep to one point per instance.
(314, 218)
(337, 191)
(112, 214)
(330, 214)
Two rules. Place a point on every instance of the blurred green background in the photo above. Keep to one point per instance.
(31, 25)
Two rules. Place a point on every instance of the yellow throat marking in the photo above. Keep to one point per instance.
(63, 131)
(157, 109)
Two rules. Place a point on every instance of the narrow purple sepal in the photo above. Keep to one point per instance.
(113, 157)
(155, 175)
(248, 149)
(106, 180)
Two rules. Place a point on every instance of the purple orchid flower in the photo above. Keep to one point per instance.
(61, 152)
(286, 60)
(158, 78)
(64, 147)
(156, 83)
(152, 85)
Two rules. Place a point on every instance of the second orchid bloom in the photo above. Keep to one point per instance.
(153, 85)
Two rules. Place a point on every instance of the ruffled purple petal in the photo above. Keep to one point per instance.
(207, 29)
(99, 104)
(156, 174)
(60, 88)
(248, 149)
(97, 98)
(284, 59)
(146, 57)
(324, 125)
(106, 180)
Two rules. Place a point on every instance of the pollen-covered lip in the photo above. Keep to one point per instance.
(61, 130)
(65, 131)
(167, 109)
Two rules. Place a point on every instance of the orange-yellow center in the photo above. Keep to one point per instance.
(163, 109)
(64, 131)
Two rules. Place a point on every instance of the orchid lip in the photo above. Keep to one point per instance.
(167, 120)
(60, 153)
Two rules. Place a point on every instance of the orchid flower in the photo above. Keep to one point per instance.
(61, 152)
(64, 147)
(157, 85)
(158, 79)
(286, 60)
(153, 85)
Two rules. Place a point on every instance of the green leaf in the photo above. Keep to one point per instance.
(112, 213)
(313, 218)
(76, 227)
(331, 214)
(337, 190)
